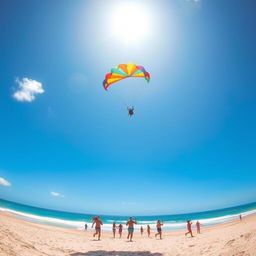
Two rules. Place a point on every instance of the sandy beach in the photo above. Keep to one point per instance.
(19, 237)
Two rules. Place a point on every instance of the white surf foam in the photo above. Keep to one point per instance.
(168, 225)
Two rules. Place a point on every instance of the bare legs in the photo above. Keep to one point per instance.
(160, 234)
(130, 235)
(98, 232)
(189, 232)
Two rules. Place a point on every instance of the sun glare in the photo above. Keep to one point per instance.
(130, 22)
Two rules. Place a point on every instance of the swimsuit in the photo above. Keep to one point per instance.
(159, 230)
(130, 230)
(97, 228)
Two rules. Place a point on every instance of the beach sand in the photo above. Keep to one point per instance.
(18, 237)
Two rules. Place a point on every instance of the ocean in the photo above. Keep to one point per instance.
(78, 220)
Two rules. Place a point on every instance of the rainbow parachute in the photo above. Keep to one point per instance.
(123, 71)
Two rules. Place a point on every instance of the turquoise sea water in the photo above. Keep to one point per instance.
(77, 220)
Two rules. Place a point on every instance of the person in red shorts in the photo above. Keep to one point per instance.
(198, 225)
(141, 230)
(98, 223)
(148, 230)
(189, 224)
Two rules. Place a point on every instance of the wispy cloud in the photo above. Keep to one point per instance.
(4, 182)
(56, 194)
(28, 89)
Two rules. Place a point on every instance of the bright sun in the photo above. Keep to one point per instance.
(130, 22)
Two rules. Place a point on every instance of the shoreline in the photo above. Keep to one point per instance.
(165, 232)
(23, 238)
(107, 227)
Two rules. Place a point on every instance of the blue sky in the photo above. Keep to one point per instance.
(190, 145)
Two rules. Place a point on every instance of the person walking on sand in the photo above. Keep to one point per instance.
(114, 229)
(120, 230)
(85, 226)
(240, 217)
(130, 223)
(98, 223)
(159, 225)
(141, 230)
(148, 230)
(189, 224)
(198, 225)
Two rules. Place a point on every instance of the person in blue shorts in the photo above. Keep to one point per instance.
(130, 223)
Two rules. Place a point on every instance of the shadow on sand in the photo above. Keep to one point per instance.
(116, 253)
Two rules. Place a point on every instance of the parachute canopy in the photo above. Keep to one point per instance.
(123, 71)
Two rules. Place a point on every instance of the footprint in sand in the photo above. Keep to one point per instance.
(230, 242)
(207, 250)
(247, 236)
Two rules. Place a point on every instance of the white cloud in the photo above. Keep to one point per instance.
(4, 182)
(28, 89)
(56, 194)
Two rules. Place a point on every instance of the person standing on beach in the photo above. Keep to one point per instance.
(141, 230)
(120, 230)
(114, 229)
(240, 217)
(198, 224)
(159, 225)
(148, 230)
(98, 223)
(85, 226)
(130, 223)
(189, 224)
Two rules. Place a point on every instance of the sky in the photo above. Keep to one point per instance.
(67, 144)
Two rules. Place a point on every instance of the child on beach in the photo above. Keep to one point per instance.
(141, 230)
(114, 229)
(198, 224)
(159, 225)
(189, 224)
(130, 223)
(120, 230)
(98, 223)
(148, 230)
